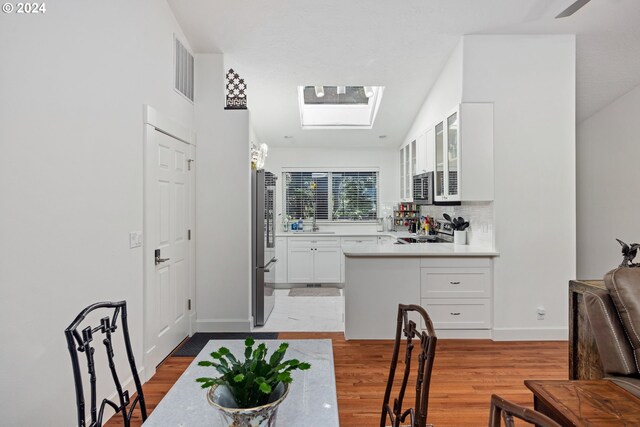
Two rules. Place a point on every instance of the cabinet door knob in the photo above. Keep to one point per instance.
(454, 283)
(455, 314)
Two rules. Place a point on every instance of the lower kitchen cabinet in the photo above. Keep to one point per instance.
(458, 313)
(300, 265)
(314, 260)
(456, 292)
(356, 240)
(327, 265)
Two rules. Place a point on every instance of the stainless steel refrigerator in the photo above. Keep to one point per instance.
(263, 196)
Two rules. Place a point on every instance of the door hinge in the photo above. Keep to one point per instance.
(188, 234)
(189, 164)
(189, 304)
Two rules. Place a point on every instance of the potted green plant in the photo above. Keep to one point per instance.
(247, 393)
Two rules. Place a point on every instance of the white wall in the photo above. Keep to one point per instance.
(445, 94)
(608, 175)
(382, 159)
(531, 81)
(71, 180)
(223, 231)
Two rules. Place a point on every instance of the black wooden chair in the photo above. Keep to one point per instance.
(503, 410)
(79, 340)
(407, 331)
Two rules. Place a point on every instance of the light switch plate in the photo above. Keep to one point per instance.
(135, 239)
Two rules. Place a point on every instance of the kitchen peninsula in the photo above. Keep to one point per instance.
(454, 283)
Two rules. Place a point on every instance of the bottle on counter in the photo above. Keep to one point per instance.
(300, 225)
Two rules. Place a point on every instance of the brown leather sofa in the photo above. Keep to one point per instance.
(614, 315)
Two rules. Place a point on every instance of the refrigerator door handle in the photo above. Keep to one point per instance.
(266, 267)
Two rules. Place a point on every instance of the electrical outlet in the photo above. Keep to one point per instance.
(541, 312)
(135, 239)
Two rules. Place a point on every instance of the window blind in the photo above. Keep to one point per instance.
(355, 196)
(334, 196)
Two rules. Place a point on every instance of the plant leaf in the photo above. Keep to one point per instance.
(205, 363)
(265, 388)
(238, 378)
(216, 355)
(304, 366)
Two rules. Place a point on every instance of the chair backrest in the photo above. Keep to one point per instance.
(614, 316)
(503, 410)
(407, 331)
(80, 341)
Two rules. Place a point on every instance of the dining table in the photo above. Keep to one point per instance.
(311, 402)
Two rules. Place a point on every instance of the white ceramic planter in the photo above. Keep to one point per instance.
(262, 416)
(460, 237)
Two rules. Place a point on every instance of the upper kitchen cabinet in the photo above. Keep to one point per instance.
(414, 160)
(407, 166)
(464, 154)
(424, 162)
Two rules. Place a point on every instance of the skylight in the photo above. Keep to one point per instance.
(339, 107)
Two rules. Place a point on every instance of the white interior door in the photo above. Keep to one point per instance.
(167, 218)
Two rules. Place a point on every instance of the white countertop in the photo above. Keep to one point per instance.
(393, 234)
(418, 250)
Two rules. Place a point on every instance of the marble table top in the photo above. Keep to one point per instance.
(311, 402)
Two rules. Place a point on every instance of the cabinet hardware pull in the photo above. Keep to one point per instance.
(455, 314)
(454, 283)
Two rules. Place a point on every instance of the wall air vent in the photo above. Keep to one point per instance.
(183, 71)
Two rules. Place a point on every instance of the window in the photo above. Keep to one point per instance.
(334, 196)
(339, 107)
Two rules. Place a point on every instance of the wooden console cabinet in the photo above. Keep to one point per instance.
(584, 359)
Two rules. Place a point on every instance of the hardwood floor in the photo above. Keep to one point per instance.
(465, 374)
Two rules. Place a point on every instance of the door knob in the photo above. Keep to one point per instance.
(159, 260)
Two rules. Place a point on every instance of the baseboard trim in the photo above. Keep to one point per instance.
(223, 325)
(478, 334)
(530, 334)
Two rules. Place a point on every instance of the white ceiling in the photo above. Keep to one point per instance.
(278, 45)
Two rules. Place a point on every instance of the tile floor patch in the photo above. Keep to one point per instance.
(305, 314)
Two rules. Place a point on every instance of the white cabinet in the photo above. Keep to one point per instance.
(386, 240)
(281, 255)
(327, 265)
(316, 260)
(408, 165)
(300, 265)
(360, 240)
(447, 146)
(422, 158)
(456, 292)
(463, 147)
(356, 240)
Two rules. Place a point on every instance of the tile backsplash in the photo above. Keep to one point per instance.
(479, 215)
